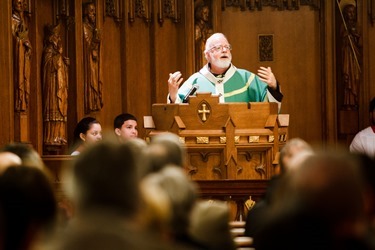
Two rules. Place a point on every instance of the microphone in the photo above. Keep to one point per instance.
(191, 92)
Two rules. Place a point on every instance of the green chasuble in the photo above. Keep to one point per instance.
(237, 85)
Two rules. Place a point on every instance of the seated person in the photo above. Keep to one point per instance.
(364, 141)
(292, 155)
(125, 126)
(87, 131)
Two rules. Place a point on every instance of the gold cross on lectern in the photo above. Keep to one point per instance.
(204, 111)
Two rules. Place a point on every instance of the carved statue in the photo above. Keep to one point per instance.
(351, 70)
(22, 56)
(91, 50)
(202, 32)
(55, 88)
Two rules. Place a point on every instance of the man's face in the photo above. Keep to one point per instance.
(128, 130)
(205, 14)
(91, 12)
(18, 5)
(350, 12)
(219, 55)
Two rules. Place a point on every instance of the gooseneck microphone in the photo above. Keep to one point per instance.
(191, 92)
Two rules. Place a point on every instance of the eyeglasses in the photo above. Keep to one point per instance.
(219, 48)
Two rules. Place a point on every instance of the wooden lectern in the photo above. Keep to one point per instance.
(229, 144)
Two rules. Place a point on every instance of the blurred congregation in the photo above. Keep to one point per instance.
(173, 124)
(134, 195)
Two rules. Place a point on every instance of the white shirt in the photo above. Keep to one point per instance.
(364, 142)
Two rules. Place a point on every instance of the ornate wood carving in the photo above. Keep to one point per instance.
(113, 9)
(202, 30)
(143, 9)
(140, 9)
(22, 55)
(55, 91)
(61, 12)
(28, 7)
(278, 4)
(265, 48)
(93, 84)
(168, 9)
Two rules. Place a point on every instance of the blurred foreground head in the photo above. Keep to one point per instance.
(28, 154)
(163, 150)
(27, 205)
(320, 202)
(8, 159)
(104, 177)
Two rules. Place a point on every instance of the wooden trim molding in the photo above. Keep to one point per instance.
(278, 4)
(371, 11)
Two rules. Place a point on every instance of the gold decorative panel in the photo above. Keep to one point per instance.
(271, 138)
(203, 140)
(182, 140)
(253, 139)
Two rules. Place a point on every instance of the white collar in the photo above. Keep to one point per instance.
(205, 71)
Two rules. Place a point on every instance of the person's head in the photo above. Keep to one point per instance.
(88, 130)
(348, 8)
(90, 12)
(104, 177)
(322, 184)
(157, 207)
(292, 148)
(53, 36)
(181, 193)
(202, 13)
(218, 52)
(8, 159)
(29, 156)
(125, 126)
(372, 111)
(18, 5)
(312, 204)
(165, 149)
(210, 225)
(29, 207)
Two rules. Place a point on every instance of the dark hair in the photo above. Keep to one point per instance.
(372, 105)
(106, 177)
(82, 127)
(120, 119)
(27, 201)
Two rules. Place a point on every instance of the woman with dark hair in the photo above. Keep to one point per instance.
(87, 131)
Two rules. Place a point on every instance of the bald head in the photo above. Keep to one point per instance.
(8, 159)
(215, 38)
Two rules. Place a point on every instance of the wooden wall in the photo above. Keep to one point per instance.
(145, 43)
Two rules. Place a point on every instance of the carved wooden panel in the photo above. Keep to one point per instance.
(252, 164)
(206, 164)
(265, 48)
